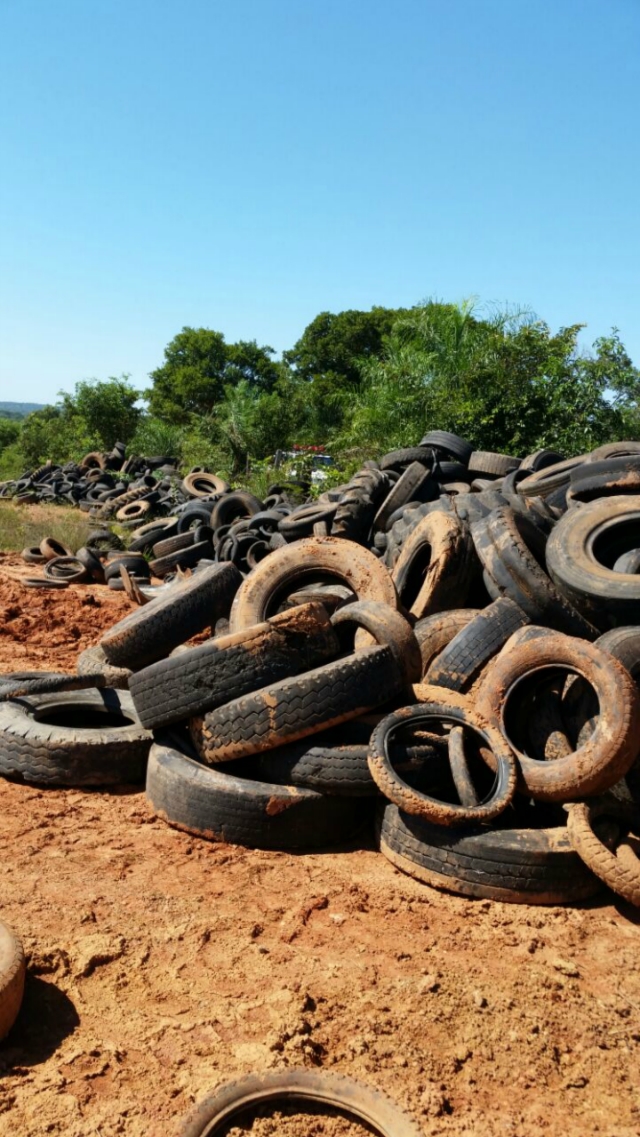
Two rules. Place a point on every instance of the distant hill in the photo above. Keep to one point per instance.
(18, 410)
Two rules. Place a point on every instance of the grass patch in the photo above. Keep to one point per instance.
(22, 526)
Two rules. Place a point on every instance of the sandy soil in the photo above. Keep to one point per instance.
(161, 965)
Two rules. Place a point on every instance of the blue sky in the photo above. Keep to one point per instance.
(244, 166)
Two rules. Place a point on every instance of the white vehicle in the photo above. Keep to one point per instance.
(319, 463)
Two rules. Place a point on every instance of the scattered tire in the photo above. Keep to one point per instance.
(12, 977)
(618, 868)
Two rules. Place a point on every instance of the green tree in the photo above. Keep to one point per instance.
(198, 365)
(108, 409)
(335, 344)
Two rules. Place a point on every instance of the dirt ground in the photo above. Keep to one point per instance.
(161, 965)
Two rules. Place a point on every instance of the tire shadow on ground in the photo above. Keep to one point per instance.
(46, 1018)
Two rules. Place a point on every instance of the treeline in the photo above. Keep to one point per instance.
(358, 383)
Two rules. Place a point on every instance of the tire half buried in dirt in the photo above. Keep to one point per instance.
(241, 811)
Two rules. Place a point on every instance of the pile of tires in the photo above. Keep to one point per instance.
(445, 649)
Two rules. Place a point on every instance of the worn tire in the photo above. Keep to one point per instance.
(240, 811)
(93, 661)
(615, 743)
(76, 755)
(619, 868)
(287, 569)
(296, 707)
(383, 625)
(224, 669)
(516, 865)
(434, 569)
(435, 632)
(151, 632)
(462, 660)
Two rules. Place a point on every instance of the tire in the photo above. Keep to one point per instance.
(147, 536)
(233, 506)
(300, 522)
(423, 805)
(462, 660)
(504, 542)
(294, 708)
(450, 445)
(42, 582)
(202, 484)
(149, 633)
(12, 976)
(550, 478)
(103, 541)
(614, 745)
(75, 755)
(619, 869)
(517, 865)
(383, 625)
(186, 558)
(415, 485)
(134, 563)
(93, 661)
(51, 548)
(174, 544)
(239, 811)
(69, 569)
(399, 459)
(287, 569)
(380, 1114)
(92, 564)
(540, 460)
(433, 571)
(435, 632)
(33, 556)
(195, 514)
(484, 463)
(224, 669)
(581, 553)
(624, 645)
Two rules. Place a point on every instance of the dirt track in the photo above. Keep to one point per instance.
(161, 965)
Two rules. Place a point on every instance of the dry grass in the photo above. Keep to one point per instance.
(22, 526)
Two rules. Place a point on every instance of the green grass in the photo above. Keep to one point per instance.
(22, 526)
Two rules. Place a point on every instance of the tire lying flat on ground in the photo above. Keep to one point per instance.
(79, 738)
(240, 811)
(517, 865)
(152, 631)
(224, 669)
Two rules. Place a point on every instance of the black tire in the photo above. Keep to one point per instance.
(221, 670)
(147, 536)
(239, 811)
(36, 747)
(42, 582)
(380, 1115)
(447, 444)
(415, 484)
(66, 568)
(233, 506)
(512, 550)
(152, 631)
(93, 661)
(547, 479)
(134, 564)
(540, 459)
(196, 513)
(91, 563)
(581, 552)
(463, 658)
(103, 541)
(518, 865)
(399, 459)
(294, 708)
(186, 558)
(33, 556)
(623, 644)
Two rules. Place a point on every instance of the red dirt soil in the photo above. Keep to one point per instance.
(161, 965)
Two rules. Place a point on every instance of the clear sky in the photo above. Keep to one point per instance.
(245, 165)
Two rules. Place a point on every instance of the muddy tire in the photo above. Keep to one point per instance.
(512, 552)
(297, 707)
(51, 548)
(423, 805)
(618, 868)
(380, 1114)
(224, 669)
(240, 811)
(12, 977)
(383, 625)
(624, 645)
(150, 633)
(290, 567)
(33, 556)
(614, 745)
(435, 632)
(434, 569)
(462, 660)
(36, 745)
(517, 865)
